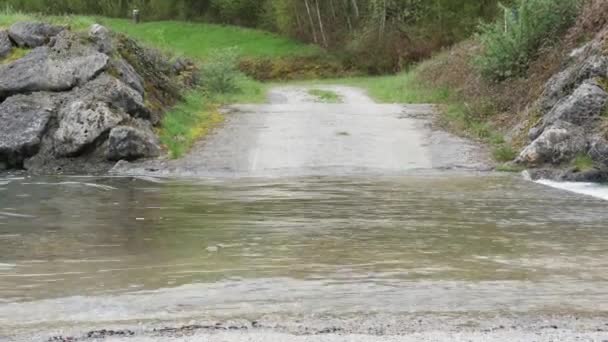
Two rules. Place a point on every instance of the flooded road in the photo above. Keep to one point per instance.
(349, 253)
(310, 222)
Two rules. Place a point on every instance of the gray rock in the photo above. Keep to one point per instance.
(128, 75)
(585, 104)
(594, 175)
(89, 112)
(128, 143)
(44, 70)
(564, 82)
(598, 150)
(6, 46)
(117, 94)
(31, 35)
(558, 143)
(535, 132)
(102, 38)
(81, 124)
(23, 121)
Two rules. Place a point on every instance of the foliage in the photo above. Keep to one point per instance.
(504, 153)
(187, 122)
(220, 71)
(293, 67)
(583, 162)
(199, 113)
(374, 35)
(510, 45)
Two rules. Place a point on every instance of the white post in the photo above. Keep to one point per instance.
(136, 16)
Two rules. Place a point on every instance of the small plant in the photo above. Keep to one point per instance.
(509, 167)
(326, 96)
(583, 162)
(504, 153)
(510, 44)
(220, 73)
(15, 54)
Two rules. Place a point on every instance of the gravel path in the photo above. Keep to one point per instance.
(296, 135)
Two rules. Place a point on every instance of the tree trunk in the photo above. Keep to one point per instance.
(312, 23)
(355, 7)
(321, 24)
(333, 9)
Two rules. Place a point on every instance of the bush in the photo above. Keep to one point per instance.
(509, 45)
(504, 153)
(220, 72)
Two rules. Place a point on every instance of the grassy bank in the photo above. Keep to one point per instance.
(199, 40)
(199, 113)
(192, 40)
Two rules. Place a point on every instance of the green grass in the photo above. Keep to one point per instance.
(583, 162)
(504, 153)
(199, 40)
(199, 113)
(189, 39)
(7, 18)
(508, 167)
(325, 96)
(14, 55)
(400, 88)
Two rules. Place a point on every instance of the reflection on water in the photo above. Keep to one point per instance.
(349, 244)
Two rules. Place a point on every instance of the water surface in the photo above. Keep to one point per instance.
(87, 250)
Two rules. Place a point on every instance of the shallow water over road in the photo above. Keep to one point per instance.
(96, 251)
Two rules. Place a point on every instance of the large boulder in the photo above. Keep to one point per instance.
(582, 107)
(586, 103)
(129, 143)
(125, 72)
(562, 84)
(23, 121)
(102, 38)
(116, 93)
(81, 124)
(89, 112)
(45, 70)
(598, 149)
(31, 35)
(557, 144)
(6, 46)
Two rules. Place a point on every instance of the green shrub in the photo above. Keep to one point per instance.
(511, 43)
(583, 162)
(504, 153)
(220, 72)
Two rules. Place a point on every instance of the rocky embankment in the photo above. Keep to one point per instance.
(571, 119)
(78, 102)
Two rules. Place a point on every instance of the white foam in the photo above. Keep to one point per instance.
(589, 189)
